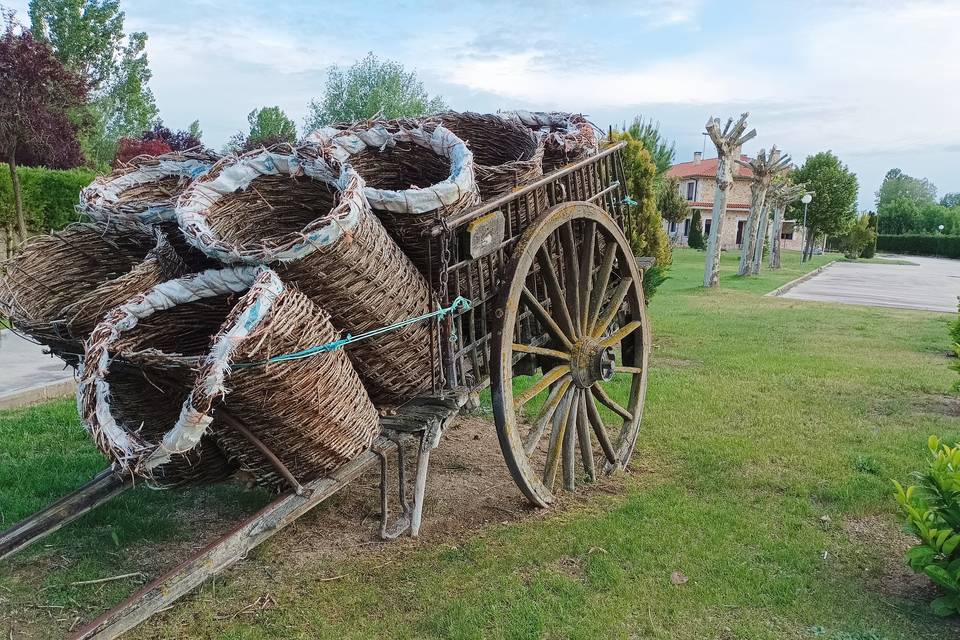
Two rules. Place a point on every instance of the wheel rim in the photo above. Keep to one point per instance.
(573, 303)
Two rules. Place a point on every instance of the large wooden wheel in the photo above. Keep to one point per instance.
(570, 351)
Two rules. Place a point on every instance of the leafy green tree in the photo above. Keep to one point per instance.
(195, 131)
(648, 132)
(371, 87)
(672, 205)
(643, 224)
(896, 184)
(268, 126)
(88, 37)
(695, 238)
(860, 236)
(950, 200)
(833, 208)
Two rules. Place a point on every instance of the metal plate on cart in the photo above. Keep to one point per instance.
(485, 234)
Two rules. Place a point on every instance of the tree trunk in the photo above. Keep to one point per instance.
(761, 239)
(775, 231)
(751, 229)
(711, 273)
(8, 240)
(807, 247)
(17, 197)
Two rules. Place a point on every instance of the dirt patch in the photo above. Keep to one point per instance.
(468, 489)
(940, 404)
(880, 535)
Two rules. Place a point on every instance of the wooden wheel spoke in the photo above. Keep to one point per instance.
(557, 301)
(619, 295)
(546, 413)
(571, 272)
(586, 267)
(600, 430)
(554, 375)
(544, 317)
(560, 418)
(600, 285)
(600, 394)
(569, 442)
(583, 434)
(622, 333)
(542, 351)
(632, 370)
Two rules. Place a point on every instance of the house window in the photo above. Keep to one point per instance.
(706, 227)
(787, 235)
(673, 227)
(691, 190)
(740, 225)
(686, 227)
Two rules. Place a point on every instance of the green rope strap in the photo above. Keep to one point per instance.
(460, 304)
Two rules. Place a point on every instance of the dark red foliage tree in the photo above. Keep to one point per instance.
(37, 94)
(129, 148)
(177, 141)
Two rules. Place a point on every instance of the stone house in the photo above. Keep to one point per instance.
(698, 182)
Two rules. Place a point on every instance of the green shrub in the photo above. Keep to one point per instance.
(932, 511)
(923, 245)
(871, 249)
(49, 195)
(858, 238)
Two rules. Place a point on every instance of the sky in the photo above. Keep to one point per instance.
(877, 82)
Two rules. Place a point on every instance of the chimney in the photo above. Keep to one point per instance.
(697, 157)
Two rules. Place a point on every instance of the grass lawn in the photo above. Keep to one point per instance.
(771, 431)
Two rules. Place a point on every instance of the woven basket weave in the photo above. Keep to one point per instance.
(59, 286)
(144, 191)
(568, 137)
(306, 214)
(506, 154)
(415, 178)
(203, 344)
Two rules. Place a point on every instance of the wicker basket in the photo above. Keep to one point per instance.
(144, 191)
(154, 394)
(415, 177)
(60, 285)
(568, 137)
(307, 215)
(506, 154)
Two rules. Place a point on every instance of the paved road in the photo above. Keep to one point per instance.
(23, 366)
(930, 283)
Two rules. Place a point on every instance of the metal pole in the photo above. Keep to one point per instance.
(806, 233)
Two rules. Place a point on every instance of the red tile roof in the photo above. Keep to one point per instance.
(706, 169)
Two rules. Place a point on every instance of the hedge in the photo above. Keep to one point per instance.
(923, 245)
(49, 195)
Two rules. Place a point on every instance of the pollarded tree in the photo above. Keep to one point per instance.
(834, 207)
(728, 142)
(37, 94)
(764, 169)
(371, 87)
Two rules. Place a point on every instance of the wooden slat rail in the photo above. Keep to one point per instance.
(224, 552)
(103, 487)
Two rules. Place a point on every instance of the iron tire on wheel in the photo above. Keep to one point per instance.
(573, 278)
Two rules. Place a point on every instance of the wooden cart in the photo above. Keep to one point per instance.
(556, 301)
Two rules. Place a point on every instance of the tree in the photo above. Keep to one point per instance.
(764, 169)
(129, 148)
(672, 205)
(87, 36)
(643, 224)
(369, 88)
(37, 93)
(833, 207)
(648, 132)
(177, 140)
(695, 238)
(860, 236)
(268, 126)
(728, 142)
(195, 131)
(950, 200)
(896, 184)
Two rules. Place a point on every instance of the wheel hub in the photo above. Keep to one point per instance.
(591, 362)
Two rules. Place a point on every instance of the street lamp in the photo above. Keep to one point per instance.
(940, 228)
(806, 201)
